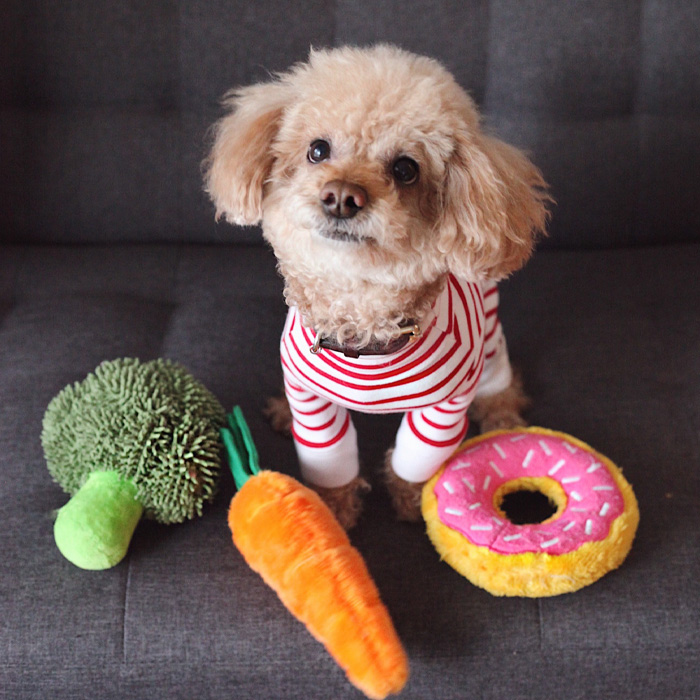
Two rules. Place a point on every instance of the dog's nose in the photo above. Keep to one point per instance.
(343, 199)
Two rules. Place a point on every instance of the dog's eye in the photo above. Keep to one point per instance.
(405, 170)
(319, 151)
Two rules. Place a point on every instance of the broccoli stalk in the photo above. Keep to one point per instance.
(94, 529)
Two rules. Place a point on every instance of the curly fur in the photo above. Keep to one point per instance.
(476, 210)
(345, 502)
(405, 495)
(502, 411)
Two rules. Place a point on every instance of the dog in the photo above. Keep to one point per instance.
(392, 216)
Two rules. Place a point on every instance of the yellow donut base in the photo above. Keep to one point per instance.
(534, 574)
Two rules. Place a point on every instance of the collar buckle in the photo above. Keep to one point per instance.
(407, 334)
(414, 331)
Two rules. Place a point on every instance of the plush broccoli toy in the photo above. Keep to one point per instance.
(131, 439)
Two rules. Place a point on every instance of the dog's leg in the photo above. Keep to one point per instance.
(346, 501)
(500, 399)
(405, 495)
(502, 410)
(426, 438)
(326, 446)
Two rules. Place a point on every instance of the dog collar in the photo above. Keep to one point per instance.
(410, 331)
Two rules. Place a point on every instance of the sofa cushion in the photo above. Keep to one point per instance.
(104, 108)
(607, 342)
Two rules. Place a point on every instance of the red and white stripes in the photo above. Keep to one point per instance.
(428, 436)
(433, 380)
(497, 373)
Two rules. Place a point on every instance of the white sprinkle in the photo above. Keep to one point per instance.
(576, 496)
(474, 506)
(453, 511)
(604, 510)
(510, 538)
(482, 528)
(569, 526)
(528, 458)
(448, 487)
(556, 467)
(545, 448)
(594, 467)
(603, 488)
(518, 438)
(497, 521)
(580, 510)
(487, 481)
(571, 480)
(571, 448)
(589, 527)
(495, 468)
(461, 465)
(499, 449)
(465, 481)
(549, 543)
(473, 449)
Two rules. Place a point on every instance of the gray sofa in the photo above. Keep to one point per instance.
(108, 248)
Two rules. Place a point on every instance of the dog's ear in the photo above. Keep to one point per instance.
(494, 207)
(241, 157)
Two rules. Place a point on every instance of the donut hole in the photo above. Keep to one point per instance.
(530, 501)
(527, 507)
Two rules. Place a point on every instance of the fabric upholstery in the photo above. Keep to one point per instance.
(114, 101)
(108, 248)
(610, 362)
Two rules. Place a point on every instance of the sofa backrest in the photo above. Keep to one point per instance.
(104, 106)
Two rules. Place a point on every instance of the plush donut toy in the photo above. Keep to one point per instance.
(589, 532)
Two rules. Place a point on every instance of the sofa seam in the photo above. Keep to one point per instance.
(125, 611)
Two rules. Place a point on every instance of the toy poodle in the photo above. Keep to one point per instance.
(392, 216)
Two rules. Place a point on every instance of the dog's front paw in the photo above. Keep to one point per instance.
(405, 495)
(501, 411)
(346, 501)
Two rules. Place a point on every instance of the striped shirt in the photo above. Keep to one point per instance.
(460, 351)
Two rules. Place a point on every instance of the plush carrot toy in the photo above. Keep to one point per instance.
(288, 535)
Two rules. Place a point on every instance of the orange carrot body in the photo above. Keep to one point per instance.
(289, 536)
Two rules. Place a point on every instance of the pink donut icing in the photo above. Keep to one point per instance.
(465, 493)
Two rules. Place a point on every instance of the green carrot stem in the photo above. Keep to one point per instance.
(94, 529)
(242, 453)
